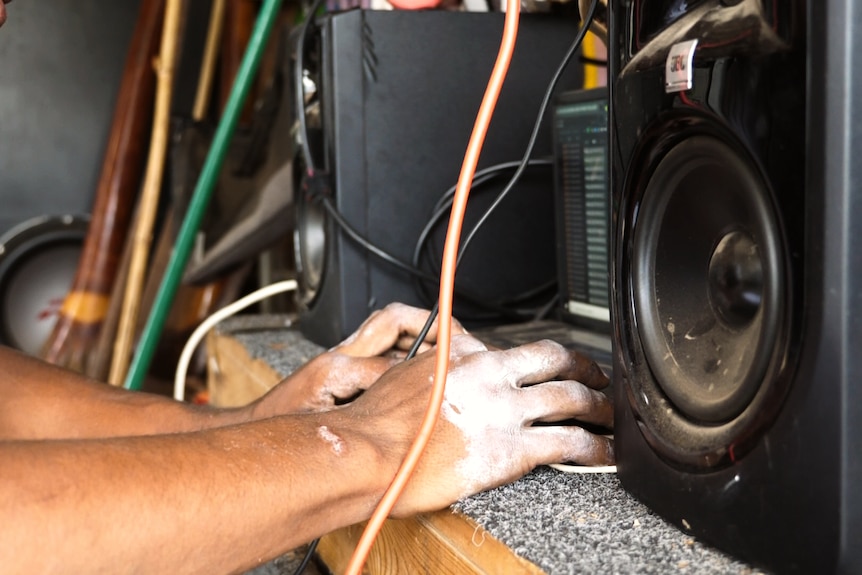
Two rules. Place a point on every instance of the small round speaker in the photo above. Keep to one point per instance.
(38, 261)
(309, 246)
(709, 290)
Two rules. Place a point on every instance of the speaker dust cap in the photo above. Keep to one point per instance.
(707, 279)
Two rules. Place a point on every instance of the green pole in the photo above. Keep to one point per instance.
(201, 196)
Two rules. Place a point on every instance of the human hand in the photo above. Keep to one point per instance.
(3, 11)
(352, 366)
(484, 436)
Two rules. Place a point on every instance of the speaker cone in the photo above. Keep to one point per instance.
(708, 283)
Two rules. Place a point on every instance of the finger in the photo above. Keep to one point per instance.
(405, 343)
(585, 369)
(348, 376)
(383, 328)
(560, 400)
(545, 360)
(557, 444)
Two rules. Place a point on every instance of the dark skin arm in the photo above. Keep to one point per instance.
(226, 498)
(41, 401)
(96, 479)
(3, 10)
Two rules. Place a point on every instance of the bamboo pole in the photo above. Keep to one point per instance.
(165, 65)
(211, 50)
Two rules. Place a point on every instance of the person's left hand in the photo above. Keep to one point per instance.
(352, 366)
(3, 11)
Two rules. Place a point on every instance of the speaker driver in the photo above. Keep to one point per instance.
(709, 291)
(38, 261)
(309, 247)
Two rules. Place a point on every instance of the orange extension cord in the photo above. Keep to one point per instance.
(447, 284)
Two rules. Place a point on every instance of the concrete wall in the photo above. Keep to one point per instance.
(60, 69)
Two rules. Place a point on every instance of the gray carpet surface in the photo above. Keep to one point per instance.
(587, 523)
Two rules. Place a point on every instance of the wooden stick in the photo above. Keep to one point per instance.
(99, 361)
(82, 316)
(192, 303)
(239, 24)
(211, 50)
(151, 191)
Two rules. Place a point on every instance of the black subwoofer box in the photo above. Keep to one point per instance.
(396, 96)
(737, 276)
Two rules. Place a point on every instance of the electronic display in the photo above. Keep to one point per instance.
(581, 163)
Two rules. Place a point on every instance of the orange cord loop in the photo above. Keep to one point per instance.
(447, 284)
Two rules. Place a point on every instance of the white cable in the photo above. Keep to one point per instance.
(215, 318)
(566, 468)
(583, 468)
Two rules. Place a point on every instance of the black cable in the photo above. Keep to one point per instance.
(308, 555)
(494, 170)
(479, 177)
(546, 309)
(444, 204)
(532, 141)
(367, 245)
(315, 179)
(422, 242)
(392, 260)
(517, 175)
(299, 89)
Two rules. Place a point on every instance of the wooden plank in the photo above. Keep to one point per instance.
(234, 378)
(444, 543)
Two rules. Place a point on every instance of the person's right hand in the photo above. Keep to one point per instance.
(484, 436)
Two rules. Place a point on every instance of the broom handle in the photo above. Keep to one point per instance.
(85, 306)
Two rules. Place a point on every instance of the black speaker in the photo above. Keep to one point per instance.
(392, 98)
(737, 287)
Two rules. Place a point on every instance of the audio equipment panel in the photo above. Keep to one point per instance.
(737, 287)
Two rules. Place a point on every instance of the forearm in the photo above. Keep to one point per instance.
(215, 501)
(41, 401)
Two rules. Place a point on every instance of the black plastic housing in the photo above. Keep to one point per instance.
(398, 93)
(779, 83)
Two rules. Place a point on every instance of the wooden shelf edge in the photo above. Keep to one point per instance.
(450, 542)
